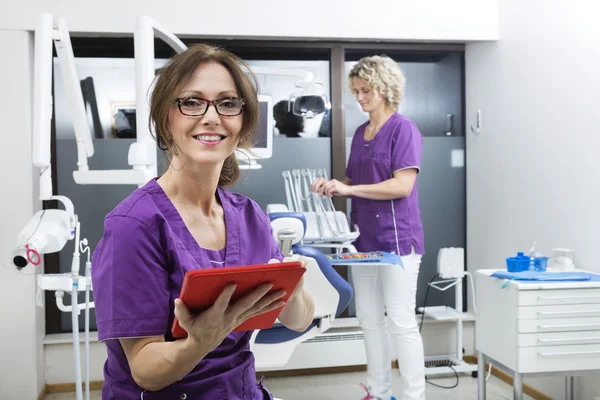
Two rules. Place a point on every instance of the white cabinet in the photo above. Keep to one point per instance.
(535, 328)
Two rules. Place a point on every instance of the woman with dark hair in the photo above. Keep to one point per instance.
(203, 107)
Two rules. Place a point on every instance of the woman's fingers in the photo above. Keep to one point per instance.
(257, 311)
(318, 185)
(183, 314)
(249, 300)
(314, 186)
(224, 299)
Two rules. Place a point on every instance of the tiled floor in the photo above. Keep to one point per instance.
(345, 386)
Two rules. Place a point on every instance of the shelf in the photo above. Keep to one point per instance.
(443, 313)
(64, 282)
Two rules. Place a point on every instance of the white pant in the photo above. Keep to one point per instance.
(393, 290)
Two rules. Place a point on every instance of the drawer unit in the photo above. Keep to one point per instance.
(545, 328)
(558, 324)
(558, 358)
(558, 296)
(558, 338)
(559, 311)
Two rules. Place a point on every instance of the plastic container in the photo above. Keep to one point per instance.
(564, 259)
(522, 262)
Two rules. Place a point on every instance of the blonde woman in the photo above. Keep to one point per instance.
(382, 170)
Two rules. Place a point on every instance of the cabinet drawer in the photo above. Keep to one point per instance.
(559, 358)
(563, 296)
(558, 338)
(558, 325)
(559, 311)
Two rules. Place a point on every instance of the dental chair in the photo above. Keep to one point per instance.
(273, 347)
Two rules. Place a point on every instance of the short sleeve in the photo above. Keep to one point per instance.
(351, 163)
(407, 146)
(130, 282)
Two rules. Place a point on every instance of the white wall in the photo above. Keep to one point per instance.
(22, 365)
(456, 20)
(533, 173)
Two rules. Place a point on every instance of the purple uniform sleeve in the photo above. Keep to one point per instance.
(131, 286)
(407, 147)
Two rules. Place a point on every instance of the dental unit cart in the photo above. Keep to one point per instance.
(537, 328)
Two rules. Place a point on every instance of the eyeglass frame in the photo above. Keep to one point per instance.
(209, 103)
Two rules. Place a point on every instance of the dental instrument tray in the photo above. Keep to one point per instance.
(374, 256)
(370, 257)
(202, 287)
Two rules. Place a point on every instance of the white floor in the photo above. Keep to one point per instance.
(345, 386)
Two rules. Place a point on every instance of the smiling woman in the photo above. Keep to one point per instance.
(203, 107)
(207, 93)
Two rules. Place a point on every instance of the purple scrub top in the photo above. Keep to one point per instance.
(137, 272)
(396, 146)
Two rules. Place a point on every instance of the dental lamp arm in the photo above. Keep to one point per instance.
(142, 154)
(304, 76)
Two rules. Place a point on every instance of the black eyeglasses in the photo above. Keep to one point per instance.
(196, 106)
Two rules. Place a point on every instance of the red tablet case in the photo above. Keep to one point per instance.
(202, 287)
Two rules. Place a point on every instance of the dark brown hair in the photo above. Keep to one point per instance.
(171, 79)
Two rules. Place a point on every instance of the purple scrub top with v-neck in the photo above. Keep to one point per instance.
(137, 272)
(387, 225)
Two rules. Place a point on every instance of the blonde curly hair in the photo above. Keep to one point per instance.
(384, 75)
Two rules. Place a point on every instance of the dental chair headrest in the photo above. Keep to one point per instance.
(288, 220)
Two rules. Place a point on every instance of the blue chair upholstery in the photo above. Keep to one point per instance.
(279, 333)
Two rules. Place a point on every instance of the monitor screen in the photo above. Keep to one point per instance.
(260, 141)
(263, 141)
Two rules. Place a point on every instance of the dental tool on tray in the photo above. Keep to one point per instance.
(324, 223)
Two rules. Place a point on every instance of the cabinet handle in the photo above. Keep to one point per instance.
(567, 340)
(567, 326)
(449, 125)
(569, 353)
(477, 129)
(568, 312)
